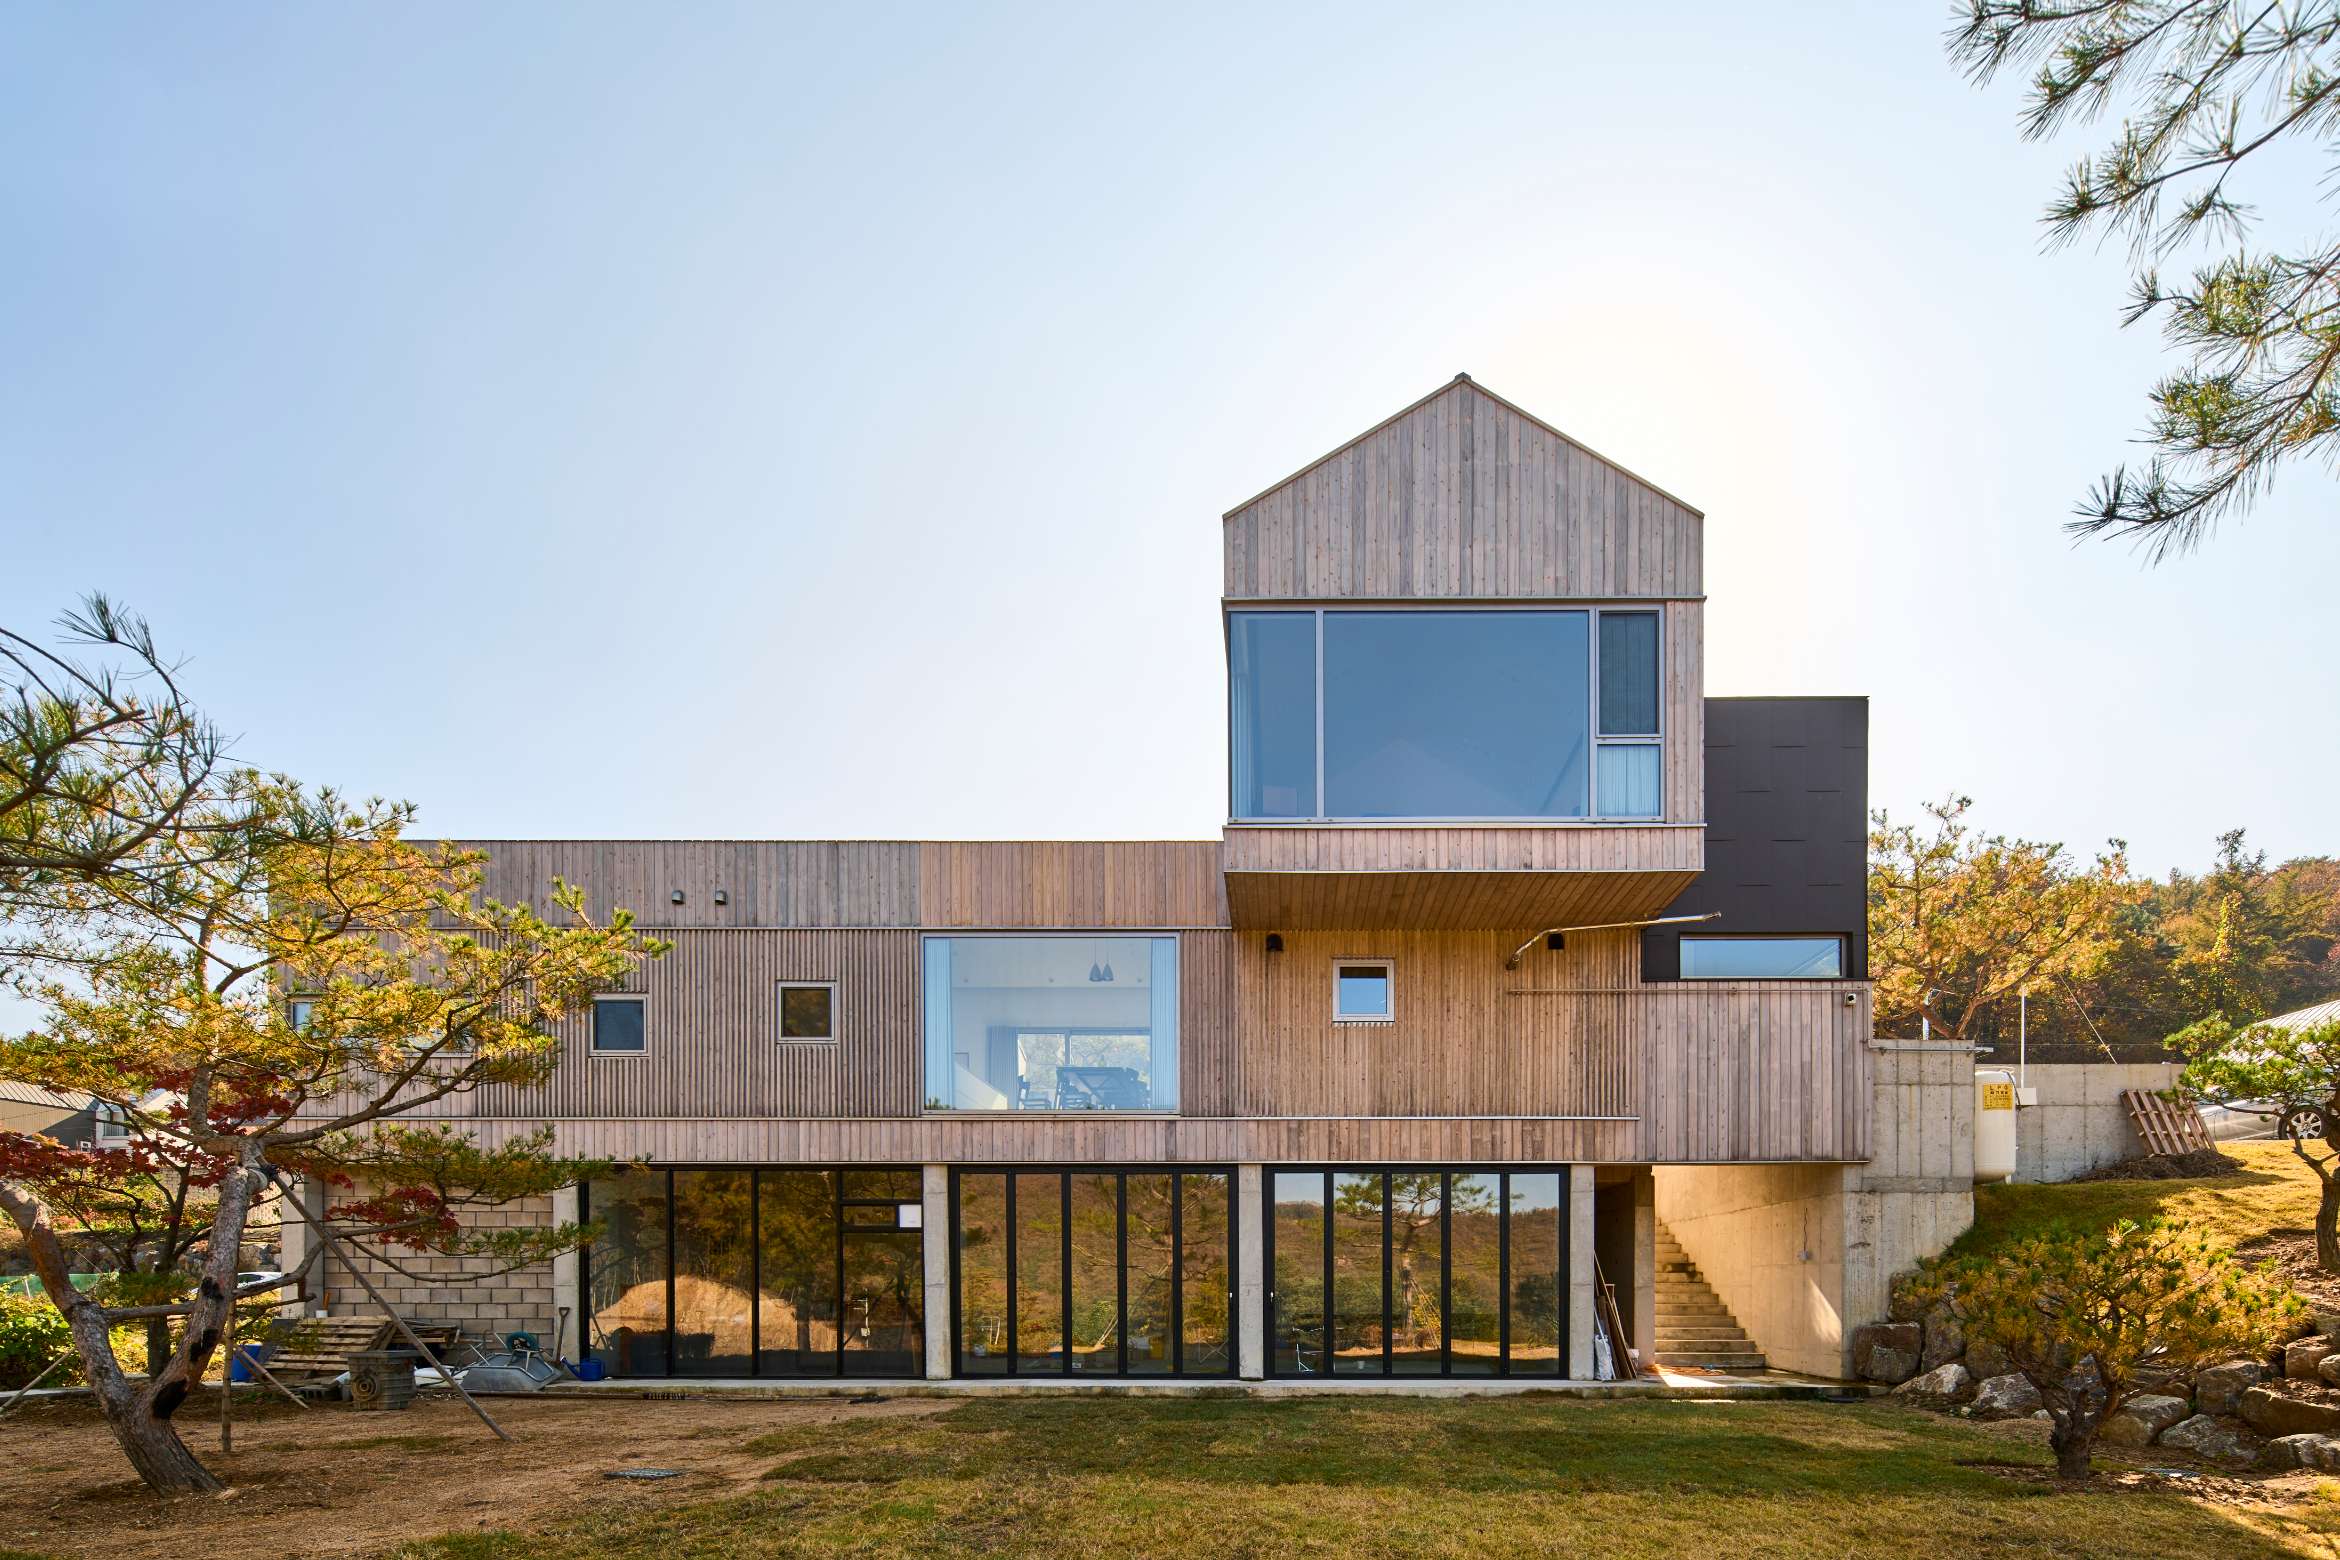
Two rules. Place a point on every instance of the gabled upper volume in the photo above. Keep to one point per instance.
(1463, 495)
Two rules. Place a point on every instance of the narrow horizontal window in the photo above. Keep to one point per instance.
(617, 1026)
(1762, 958)
(806, 1010)
(1361, 992)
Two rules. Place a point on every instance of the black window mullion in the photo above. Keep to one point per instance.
(1178, 1274)
(670, 1272)
(755, 1272)
(1503, 1274)
(1388, 1273)
(1121, 1272)
(1014, 1339)
(584, 1275)
(1446, 1274)
(1064, 1263)
(1324, 1284)
(837, 1221)
(1567, 1267)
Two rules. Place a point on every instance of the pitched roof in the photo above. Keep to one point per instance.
(1460, 382)
(2306, 1017)
(33, 1094)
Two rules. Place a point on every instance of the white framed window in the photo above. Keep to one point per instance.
(620, 1026)
(1364, 991)
(808, 1012)
(109, 1123)
(298, 1012)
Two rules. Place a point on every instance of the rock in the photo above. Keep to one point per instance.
(2219, 1389)
(2205, 1435)
(2005, 1397)
(2301, 1358)
(2272, 1413)
(1945, 1339)
(1986, 1359)
(1943, 1381)
(1887, 1351)
(2305, 1450)
(2328, 1370)
(2143, 1418)
(1909, 1303)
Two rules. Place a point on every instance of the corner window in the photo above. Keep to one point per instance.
(1066, 1023)
(1480, 713)
(1762, 958)
(1361, 992)
(617, 1026)
(807, 1010)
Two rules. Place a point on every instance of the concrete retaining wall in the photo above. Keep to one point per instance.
(2079, 1122)
(1803, 1254)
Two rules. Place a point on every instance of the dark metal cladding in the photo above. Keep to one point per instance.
(1787, 828)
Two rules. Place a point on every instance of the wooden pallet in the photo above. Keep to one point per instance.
(322, 1345)
(2168, 1126)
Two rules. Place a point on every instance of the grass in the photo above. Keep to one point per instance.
(2273, 1191)
(1381, 1476)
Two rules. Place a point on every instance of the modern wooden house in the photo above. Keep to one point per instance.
(1508, 919)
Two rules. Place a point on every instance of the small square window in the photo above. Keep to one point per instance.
(1361, 992)
(617, 1026)
(806, 1011)
(298, 1012)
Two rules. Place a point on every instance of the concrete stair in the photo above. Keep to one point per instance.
(1694, 1327)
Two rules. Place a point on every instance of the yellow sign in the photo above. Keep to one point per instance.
(1998, 1096)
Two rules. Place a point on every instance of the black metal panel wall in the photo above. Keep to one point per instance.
(1787, 827)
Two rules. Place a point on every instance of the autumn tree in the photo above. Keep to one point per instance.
(2089, 1316)
(2297, 1064)
(2205, 91)
(1960, 922)
(168, 983)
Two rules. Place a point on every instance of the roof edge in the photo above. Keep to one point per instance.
(1459, 382)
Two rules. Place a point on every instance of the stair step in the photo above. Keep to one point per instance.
(1712, 1361)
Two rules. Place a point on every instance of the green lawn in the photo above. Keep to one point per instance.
(2275, 1191)
(1381, 1476)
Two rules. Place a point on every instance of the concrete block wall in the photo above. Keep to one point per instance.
(459, 1289)
(2079, 1123)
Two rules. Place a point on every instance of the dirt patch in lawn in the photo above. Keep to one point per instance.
(2167, 1167)
(334, 1481)
(2293, 1251)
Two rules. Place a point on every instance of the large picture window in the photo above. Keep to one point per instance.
(1414, 1272)
(756, 1273)
(1093, 1272)
(1052, 1023)
(1356, 713)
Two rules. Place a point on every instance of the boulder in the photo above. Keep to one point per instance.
(2271, 1413)
(2205, 1435)
(1887, 1351)
(2219, 1389)
(2328, 1370)
(1986, 1359)
(1943, 1381)
(2143, 1418)
(1908, 1304)
(2301, 1357)
(1945, 1339)
(2305, 1450)
(2005, 1397)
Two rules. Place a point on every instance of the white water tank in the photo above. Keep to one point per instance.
(1994, 1124)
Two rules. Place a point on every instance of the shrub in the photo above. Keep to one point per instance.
(2082, 1313)
(32, 1333)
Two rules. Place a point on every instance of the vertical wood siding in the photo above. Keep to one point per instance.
(1463, 495)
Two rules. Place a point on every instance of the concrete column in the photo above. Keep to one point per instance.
(1580, 1272)
(1645, 1266)
(570, 1344)
(1250, 1275)
(293, 1240)
(936, 1195)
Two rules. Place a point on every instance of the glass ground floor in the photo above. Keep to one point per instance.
(1079, 1271)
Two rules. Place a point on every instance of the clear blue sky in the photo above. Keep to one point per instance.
(685, 420)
